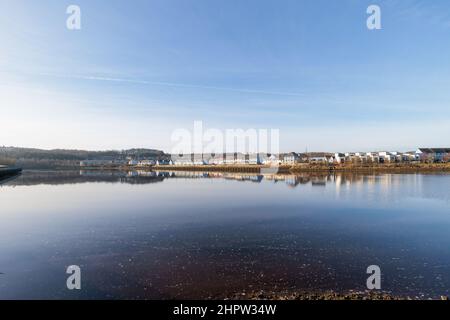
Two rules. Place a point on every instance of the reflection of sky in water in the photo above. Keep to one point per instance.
(179, 236)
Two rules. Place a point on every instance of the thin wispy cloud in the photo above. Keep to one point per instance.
(169, 84)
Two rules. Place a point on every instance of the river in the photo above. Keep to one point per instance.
(165, 235)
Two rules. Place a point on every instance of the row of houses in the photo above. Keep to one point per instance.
(291, 158)
(420, 155)
(148, 162)
(434, 154)
(222, 159)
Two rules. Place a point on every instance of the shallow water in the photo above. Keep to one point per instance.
(193, 235)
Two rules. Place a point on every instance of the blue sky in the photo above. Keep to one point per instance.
(138, 70)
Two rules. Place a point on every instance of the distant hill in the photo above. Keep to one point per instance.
(40, 158)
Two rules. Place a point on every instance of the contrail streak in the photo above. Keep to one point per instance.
(171, 84)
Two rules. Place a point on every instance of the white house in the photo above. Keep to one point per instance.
(269, 159)
(322, 159)
(384, 156)
(144, 163)
(350, 156)
(182, 159)
(339, 157)
(290, 158)
(164, 162)
(198, 160)
(409, 156)
(133, 162)
(253, 158)
(373, 156)
(216, 159)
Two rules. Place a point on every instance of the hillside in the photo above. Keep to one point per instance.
(40, 158)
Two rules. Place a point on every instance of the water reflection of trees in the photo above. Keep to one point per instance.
(60, 177)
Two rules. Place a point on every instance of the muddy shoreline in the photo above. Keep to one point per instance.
(326, 295)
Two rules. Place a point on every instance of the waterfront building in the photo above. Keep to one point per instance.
(164, 162)
(433, 154)
(290, 158)
(144, 163)
(253, 158)
(216, 158)
(269, 159)
(339, 157)
(319, 157)
(384, 156)
(409, 157)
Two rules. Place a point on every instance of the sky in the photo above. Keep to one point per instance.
(137, 71)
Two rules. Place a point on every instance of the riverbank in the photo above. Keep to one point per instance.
(375, 168)
(224, 168)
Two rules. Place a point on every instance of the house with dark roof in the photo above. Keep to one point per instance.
(433, 154)
(289, 158)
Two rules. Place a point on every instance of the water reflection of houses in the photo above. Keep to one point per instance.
(319, 181)
(292, 181)
(384, 186)
(215, 175)
(244, 177)
(131, 177)
(339, 180)
(186, 174)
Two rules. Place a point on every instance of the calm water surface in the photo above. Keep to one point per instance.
(183, 235)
